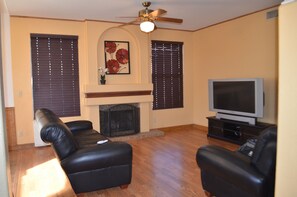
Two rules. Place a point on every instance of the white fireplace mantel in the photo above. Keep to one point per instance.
(117, 87)
(118, 94)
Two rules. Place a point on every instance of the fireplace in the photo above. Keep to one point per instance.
(119, 120)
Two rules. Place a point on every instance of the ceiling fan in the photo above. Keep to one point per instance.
(146, 17)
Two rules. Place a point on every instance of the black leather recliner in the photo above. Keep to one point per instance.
(227, 173)
(88, 165)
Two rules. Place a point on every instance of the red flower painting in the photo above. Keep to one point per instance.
(122, 56)
(110, 47)
(117, 58)
(113, 66)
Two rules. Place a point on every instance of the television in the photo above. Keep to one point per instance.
(237, 99)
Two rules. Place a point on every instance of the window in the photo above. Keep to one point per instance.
(55, 73)
(167, 74)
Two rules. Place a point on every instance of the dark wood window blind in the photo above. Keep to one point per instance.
(55, 73)
(167, 74)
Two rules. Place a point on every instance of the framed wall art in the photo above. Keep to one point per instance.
(117, 57)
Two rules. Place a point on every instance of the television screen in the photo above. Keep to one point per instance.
(236, 96)
(243, 97)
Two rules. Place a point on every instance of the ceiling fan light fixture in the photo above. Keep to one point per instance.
(147, 26)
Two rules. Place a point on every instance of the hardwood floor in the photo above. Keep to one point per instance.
(162, 166)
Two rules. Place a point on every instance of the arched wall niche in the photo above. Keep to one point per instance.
(120, 34)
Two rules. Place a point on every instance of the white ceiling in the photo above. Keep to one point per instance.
(196, 14)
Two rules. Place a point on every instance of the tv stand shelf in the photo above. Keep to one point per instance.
(234, 131)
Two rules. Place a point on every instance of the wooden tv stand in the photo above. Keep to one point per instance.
(234, 131)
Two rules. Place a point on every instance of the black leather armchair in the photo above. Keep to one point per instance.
(88, 165)
(227, 173)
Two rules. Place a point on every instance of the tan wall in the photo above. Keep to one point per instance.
(97, 33)
(21, 66)
(245, 47)
(286, 173)
(242, 48)
(91, 56)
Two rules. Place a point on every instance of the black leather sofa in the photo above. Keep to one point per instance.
(227, 173)
(89, 166)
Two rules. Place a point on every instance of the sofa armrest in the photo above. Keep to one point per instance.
(98, 156)
(79, 125)
(230, 166)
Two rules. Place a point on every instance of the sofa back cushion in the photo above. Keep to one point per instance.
(54, 131)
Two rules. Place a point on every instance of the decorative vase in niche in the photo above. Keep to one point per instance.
(102, 73)
(102, 81)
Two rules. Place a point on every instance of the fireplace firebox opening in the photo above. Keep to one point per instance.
(119, 120)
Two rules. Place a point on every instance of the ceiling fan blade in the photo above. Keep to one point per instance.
(157, 13)
(130, 23)
(166, 19)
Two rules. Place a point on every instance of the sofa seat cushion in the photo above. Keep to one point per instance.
(88, 138)
(99, 156)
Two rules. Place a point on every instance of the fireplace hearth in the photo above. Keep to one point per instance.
(119, 120)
